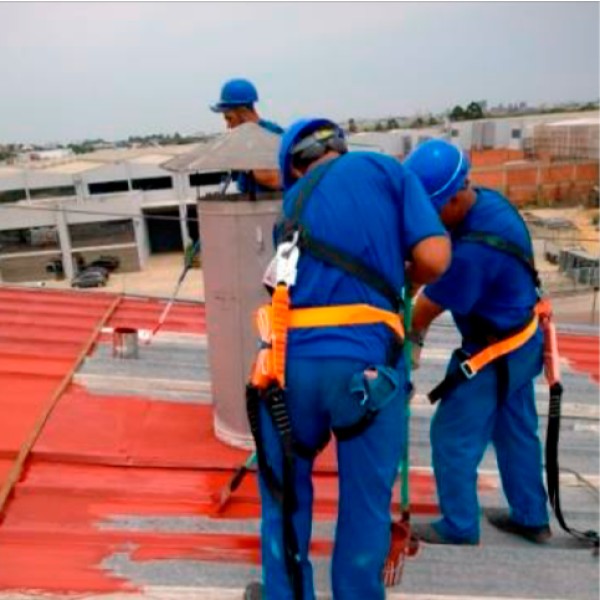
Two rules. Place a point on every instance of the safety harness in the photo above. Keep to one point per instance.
(267, 381)
(471, 365)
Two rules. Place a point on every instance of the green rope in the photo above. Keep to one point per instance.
(405, 462)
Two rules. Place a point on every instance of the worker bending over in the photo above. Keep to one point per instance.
(490, 289)
(351, 222)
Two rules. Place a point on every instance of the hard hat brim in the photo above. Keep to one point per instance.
(222, 107)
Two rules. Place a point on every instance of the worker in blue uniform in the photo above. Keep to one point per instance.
(491, 294)
(237, 105)
(365, 205)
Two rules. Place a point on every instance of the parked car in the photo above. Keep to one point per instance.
(89, 279)
(91, 268)
(110, 263)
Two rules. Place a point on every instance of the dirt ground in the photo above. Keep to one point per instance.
(158, 279)
(585, 233)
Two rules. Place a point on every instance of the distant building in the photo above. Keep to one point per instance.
(43, 155)
(117, 202)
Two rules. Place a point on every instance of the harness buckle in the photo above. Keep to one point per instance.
(467, 370)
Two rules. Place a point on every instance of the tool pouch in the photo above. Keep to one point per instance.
(370, 391)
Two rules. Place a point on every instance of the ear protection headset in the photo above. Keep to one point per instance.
(315, 145)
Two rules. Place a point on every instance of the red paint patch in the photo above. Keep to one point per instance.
(582, 352)
(101, 457)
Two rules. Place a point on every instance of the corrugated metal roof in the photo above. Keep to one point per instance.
(129, 154)
(118, 490)
(149, 159)
(576, 123)
(9, 171)
(74, 167)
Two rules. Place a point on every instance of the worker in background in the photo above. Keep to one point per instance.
(349, 380)
(490, 290)
(236, 103)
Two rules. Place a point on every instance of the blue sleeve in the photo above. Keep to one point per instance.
(463, 284)
(419, 218)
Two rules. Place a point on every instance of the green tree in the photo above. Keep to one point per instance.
(418, 123)
(474, 111)
(352, 128)
(457, 113)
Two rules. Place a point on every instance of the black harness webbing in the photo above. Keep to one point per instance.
(455, 378)
(331, 255)
(552, 469)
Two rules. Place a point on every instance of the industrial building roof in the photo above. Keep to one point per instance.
(80, 163)
(116, 495)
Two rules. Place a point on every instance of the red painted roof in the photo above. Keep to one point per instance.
(99, 456)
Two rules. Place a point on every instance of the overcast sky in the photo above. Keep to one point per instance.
(70, 71)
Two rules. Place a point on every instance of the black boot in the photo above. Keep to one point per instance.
(501, 520)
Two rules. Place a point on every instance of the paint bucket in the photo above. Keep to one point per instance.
(125, 342)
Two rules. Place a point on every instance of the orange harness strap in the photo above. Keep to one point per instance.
(345, 314)
(477, 362)
(472, 365)
(274, 320)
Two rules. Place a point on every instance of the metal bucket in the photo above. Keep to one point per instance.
(125, 342)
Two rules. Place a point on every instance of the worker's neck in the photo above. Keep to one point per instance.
(325, 158)
(250, 116)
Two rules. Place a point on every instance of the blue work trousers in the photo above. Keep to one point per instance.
(466, 421)
(318, 398)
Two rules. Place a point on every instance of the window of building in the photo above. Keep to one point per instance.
(199, 179)
(12, 195)
(52, 192)
(31, 239)
(152, 183)
(515, 134)
(103, 233)
(108, 187)
(454, 133)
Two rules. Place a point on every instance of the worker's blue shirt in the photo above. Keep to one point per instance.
(484, 282)
(369, 206)
(241, 179)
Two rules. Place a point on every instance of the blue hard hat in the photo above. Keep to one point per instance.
(441, 167)
(234, 93)
(293, 134)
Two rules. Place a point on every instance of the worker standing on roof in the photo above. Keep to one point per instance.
(490, 289)
(238, 97)
(356, 219)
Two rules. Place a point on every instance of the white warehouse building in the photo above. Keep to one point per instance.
(113, 202)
